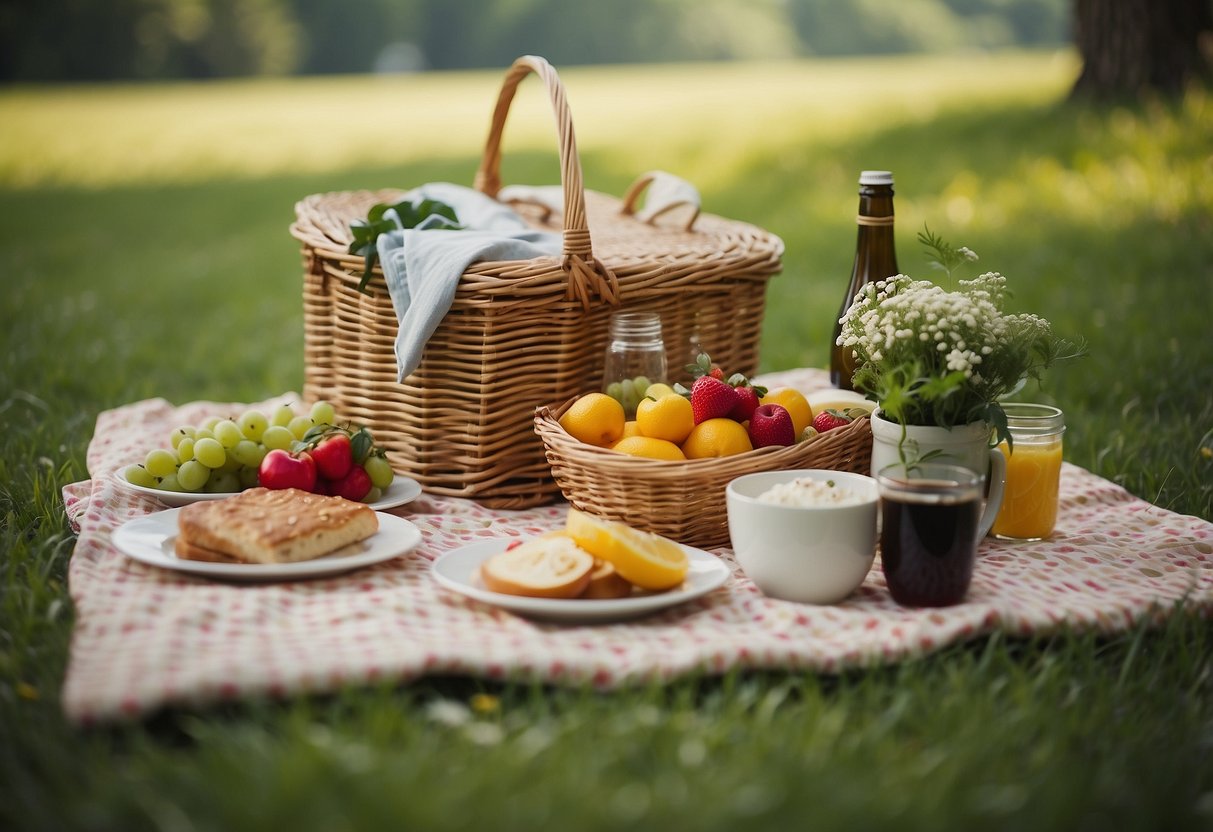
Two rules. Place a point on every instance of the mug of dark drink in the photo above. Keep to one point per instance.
(930, 515)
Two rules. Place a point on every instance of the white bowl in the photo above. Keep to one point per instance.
(810, 554)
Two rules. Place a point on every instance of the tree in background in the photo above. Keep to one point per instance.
(1132, 46)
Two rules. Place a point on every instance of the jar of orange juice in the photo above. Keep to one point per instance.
(1029, 499)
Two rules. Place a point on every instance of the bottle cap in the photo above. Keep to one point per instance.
(876, 177)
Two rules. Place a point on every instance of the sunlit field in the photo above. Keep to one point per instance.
(144, 252)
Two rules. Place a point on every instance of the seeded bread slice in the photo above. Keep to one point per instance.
(282, 526)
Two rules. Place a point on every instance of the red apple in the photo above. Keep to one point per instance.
(771, 424)
(280, 469)
(353, 486)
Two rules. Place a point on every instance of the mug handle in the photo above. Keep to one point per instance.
(997, 480)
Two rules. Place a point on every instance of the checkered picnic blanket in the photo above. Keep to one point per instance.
(146, 638)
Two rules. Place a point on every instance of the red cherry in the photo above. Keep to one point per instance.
(355, 485)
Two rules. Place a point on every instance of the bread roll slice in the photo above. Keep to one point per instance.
(548, 566)
(606, 582)
(264, 526)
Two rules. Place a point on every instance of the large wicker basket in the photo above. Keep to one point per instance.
(520, 333)
(684, 501)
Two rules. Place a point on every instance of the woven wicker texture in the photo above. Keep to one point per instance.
(523, 333)
(684, 501)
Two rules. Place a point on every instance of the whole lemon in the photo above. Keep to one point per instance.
(716, 438)
(648, 446)
(670, 418)
(794, 402)
(630, 428)
(594, 418)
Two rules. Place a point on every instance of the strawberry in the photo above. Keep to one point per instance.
(830, 419)
(771, 424)
(747, 403)
(711, 398)
(716, 373)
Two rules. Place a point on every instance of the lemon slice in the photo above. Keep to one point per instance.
(840, 400)
(647, 560)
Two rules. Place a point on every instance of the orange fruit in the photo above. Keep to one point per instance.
(794, 402)
(630, 428)
(647, 560)
(669, 417)
(648, 446)
(717, 438)
(594, 418)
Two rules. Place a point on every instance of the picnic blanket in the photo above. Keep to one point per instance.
(146, 637)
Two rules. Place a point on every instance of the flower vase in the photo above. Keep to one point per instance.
(965, 445)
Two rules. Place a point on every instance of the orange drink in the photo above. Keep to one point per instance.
(1029, 500)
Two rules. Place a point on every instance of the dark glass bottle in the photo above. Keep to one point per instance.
(875, 259)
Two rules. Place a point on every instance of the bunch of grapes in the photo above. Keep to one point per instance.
(223, 456)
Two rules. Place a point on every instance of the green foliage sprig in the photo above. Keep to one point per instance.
(384, 218)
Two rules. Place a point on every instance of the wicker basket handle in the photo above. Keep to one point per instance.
(667, 193)
(586, 274)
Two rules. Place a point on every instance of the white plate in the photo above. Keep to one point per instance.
(402, 490)
(150, 539)
(456, 570)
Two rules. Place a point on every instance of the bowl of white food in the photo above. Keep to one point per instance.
(805, 535)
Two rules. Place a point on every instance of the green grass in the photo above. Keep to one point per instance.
(144, 252)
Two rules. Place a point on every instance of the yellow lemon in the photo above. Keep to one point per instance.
(594, 418)
(647, 446)
(658, 389)
(794, 402)
(647, 560)
(670, 418)
(630, 428)
(716, 438)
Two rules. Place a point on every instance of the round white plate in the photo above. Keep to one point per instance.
(456, 570)
(402, 490)
(150, 539)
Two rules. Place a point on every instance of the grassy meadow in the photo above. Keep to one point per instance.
(144, 252)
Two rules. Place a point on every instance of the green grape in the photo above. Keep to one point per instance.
(247, 452)
(230, 464)
(299, 426)
(615, 391)
(138, 475)
(277, 437)
(223, 482)
(210, 453)
(185, 450)
(183, 432)
(248, 478)
(282, 416)
(203, 433)
(160, 463)
(228, 433)
(170, 483)
(322, 413)
(379, 470)
(253, 424)
(192, 475)
(641, 383)
(374, 495)
(210, 423)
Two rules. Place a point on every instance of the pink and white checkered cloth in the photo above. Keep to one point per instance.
(147, 637)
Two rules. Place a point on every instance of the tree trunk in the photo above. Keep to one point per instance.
(1130, 47)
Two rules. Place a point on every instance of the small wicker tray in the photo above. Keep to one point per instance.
(684, 501)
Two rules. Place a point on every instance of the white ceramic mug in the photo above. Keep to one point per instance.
(964, 445)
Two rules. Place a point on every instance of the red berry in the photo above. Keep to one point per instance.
(711, 398)
(771, 424)
(355, 485)
(717, 373)
(747, 403)
(830, 419)
(333, 455)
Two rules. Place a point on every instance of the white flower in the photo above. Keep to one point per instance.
(967, 253)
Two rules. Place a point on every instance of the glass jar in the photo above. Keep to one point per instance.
(1029, 500)
(635, 358)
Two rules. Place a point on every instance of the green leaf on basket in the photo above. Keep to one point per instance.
(383, 218)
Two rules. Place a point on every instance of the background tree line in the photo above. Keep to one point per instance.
(93, 40)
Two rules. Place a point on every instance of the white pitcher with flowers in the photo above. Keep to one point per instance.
(937, 361)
